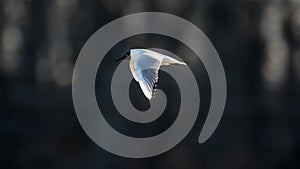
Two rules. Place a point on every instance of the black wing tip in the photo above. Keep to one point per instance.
(154, 90)
(155, 86)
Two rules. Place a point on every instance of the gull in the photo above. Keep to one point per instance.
(144, 65)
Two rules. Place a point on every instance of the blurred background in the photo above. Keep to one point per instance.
(258, 43)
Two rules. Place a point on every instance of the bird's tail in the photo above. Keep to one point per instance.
(180, 63)
(171, 61)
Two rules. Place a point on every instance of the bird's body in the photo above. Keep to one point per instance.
(144, 65)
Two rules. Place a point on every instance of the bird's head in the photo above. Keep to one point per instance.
(125, 55)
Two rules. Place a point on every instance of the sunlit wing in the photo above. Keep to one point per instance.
(147, 80)
(146, 69)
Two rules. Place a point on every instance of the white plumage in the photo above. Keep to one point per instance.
(144, 65)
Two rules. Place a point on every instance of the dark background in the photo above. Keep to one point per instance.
(258, 43)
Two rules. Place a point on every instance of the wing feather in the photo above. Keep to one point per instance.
(146, 68)
(147, 81)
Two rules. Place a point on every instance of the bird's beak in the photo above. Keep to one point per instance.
(119, 59)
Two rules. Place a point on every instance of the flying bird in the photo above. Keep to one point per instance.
(144, 65)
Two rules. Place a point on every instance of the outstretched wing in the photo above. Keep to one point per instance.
(147, 80)
(146, 68)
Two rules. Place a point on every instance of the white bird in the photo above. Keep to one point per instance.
(144, 65)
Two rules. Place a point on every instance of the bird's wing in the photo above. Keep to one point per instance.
(146, 68)
(147, 80)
